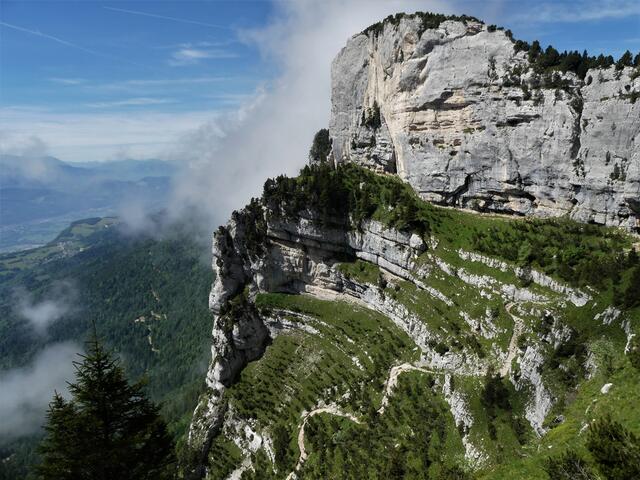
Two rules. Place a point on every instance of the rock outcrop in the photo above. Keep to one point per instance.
(460, 115)
(441, 108)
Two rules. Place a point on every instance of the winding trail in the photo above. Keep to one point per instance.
(332, 410)
(518, 326)
(392, 382)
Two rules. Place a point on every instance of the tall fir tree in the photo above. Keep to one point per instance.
(108, 430)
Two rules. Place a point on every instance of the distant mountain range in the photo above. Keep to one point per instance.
(38, 196)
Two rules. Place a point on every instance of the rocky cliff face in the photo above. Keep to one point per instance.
(294, 256)
(438, 108)
(460, 115)
(260, 251)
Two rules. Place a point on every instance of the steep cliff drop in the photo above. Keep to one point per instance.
(350, 312)
(463, 115)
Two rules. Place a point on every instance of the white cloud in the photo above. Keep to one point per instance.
(68, 81)
(230, 160)
(26, 392)
(58, 302)
(44, 313)
(141, 101)
(24, 145)
(97, 136)
(193, 56)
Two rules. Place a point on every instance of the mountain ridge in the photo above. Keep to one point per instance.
(342, 292)
(398, 257)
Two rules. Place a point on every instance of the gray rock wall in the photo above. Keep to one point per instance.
(454, 126)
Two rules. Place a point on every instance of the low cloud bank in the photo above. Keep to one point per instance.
(26, 392)
(41, 313)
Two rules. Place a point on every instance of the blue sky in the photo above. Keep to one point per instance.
(96, 80)
(101, 55)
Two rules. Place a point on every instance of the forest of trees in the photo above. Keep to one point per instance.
(571, 61)
(567, 249)
(119, 279)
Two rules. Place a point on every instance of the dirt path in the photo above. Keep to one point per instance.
(332, 410)
(394, 373)
(518, 326)
(392, 381)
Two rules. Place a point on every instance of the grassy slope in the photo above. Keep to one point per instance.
(352, 352)
(416, 429)
(583, 403)
(560, 248)
(510, 456)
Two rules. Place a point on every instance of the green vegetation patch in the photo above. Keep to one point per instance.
(415, 438)
(352, 352)
(352, 345)
(580, 254)
(361, 271)
(348, 194)
(224, 457)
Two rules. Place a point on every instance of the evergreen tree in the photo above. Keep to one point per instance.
(107, 431)
(320, 147)
(568, 466)
(615, 449)
(632, 292)
(525, 253)
(534, 51)
(626, 60)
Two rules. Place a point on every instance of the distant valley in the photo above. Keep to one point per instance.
(41, 196)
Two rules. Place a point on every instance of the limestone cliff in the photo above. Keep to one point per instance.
(460, 114)
(456, 112)
(446, 301)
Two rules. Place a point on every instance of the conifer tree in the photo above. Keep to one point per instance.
(108, 430)
(632, 292)
(626, 60)
(569, 466)
(615, 449)
(320, 147)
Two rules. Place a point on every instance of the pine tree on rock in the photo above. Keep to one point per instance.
(108, 430)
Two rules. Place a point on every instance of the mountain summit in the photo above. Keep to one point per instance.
(360, 330)
(470, 117)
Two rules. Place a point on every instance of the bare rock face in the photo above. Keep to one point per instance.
(460, 115)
